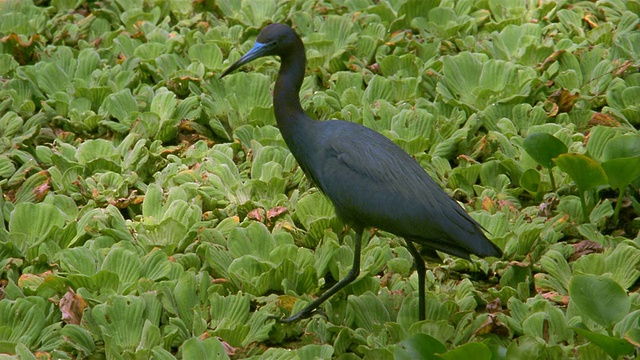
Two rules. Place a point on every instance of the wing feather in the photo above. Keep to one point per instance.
(373, 182)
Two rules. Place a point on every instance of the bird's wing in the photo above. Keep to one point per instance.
(373, 182)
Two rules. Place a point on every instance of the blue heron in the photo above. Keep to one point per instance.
(369, 179)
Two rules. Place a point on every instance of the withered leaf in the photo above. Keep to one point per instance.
(276, 211)
(72, 307)
(603, 119)
(256, 214)
(493, 325)
(23, 50)
(564, 99)
(585, 247)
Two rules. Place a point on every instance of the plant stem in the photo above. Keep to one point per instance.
(553, 182)
(585, 213)
(616, 212)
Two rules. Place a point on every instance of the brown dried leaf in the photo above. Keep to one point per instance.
(536, 284)
(493, 326)
(375, 68)
(551, 59)
(488, 204)
(564, 99)
(230, 350)
(256, 214)
(603, 119)
(276, 211)
(585, 247)
(546, 207)
(556, 298)
(23, 50)
(3, 284)
(554, 110)
(72, 307)
(625, 65)
(467, 159)
(525, 263)
(591, 19)
(208, 215)
(494, 306)
(43, 189)
(132, 199)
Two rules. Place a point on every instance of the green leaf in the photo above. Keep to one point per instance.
(88, 62)
(368, 311)
(554, 263)
(229, 311)
(628, 324)
(621, 157)
(419, 346)
(186, 297)
(155, 265)
(585, 172)
(94, 149)
(615, 347)
(34, 222)
(461, 78)
(621, 264)
(622, 171)
(599, 137)
(207, 349)
(164, 104)
(254, 240)
(52, 79)
(530, 180)
(122, 319)
(543, 148)
(121, 105)
(125, 264)
(313, 351)
(207, 54)
(22, 320)
(479, 350)
(79, 338)
(152, 205)
(599, 298)
(34, 188)
(248, 91)
(633, 336)
(313, 206)
(622, 147)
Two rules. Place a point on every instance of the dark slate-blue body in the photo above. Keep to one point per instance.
(371, 181)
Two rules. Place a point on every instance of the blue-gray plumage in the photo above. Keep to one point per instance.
(369, 179)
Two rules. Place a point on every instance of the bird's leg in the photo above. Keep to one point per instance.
(352, 275)
(422, 272)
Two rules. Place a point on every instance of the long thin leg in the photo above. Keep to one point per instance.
(352, 275)
(422, 273)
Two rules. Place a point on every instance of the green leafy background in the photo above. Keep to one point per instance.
(151, 210)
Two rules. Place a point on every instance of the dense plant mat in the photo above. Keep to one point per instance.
(151, 210)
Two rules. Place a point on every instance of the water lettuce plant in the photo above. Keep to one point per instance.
(151, 210)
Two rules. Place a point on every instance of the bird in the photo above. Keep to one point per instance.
(370, 180)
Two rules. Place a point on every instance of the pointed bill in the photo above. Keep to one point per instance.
(258, 50)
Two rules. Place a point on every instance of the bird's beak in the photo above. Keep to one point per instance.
(256, 51)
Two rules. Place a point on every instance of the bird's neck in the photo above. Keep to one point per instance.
(286, 99)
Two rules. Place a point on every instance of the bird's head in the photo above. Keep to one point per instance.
(275, 39)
